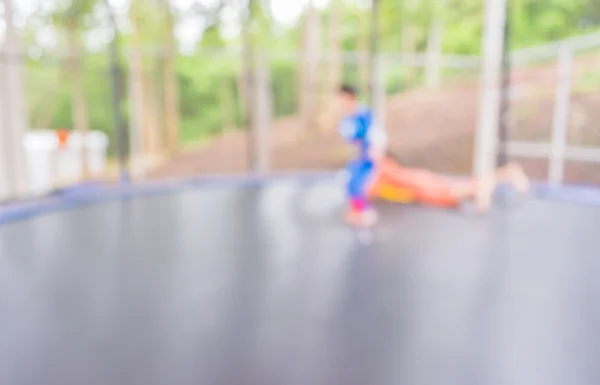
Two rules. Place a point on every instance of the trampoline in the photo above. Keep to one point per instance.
(260, 283)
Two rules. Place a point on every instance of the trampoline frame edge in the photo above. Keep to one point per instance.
(85, 194)
(82, 194)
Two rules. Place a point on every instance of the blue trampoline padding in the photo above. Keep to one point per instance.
(582, 194)
(90, 193)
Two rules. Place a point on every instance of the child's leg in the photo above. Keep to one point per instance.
(512, 174)
(433, 189)
(360, 211)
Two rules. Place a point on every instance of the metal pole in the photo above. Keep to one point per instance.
(14, 118)
(6, 142)
(117, 83)
(262, 113)
(435, 38)
(503, 132)
(248, 63)
(560, 124)
(487, 130)
(265, 105)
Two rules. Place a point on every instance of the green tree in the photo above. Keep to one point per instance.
(145, 127)
(191, 96)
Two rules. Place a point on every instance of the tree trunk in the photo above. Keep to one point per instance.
(226, 100)
(154, 82)
(242, 90)
(334, 63)
(78, 100)
(137, 110)
(172, 117)
(246, 85)
(362, 47)
(377, 78)
(310, 63)
(152, 129)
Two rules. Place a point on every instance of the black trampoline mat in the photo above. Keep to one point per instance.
(266, 286)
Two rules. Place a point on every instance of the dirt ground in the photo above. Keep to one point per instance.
(291, 150)
(430, 129)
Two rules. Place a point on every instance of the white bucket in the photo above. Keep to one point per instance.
(50, 165)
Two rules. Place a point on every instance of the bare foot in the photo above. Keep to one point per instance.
(518, 178)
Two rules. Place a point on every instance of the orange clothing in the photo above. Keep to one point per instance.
(413, 185)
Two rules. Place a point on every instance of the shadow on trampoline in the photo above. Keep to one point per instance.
(262, 284)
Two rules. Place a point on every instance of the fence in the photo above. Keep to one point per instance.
(429, 106)
(568, 137)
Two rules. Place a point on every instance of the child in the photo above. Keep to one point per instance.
(370, 168)
(360, 128)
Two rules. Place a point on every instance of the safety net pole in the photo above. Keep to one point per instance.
(486, 141)
(247, 61)
(13, 114)
(503, 131)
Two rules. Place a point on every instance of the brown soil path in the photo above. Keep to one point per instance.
(431, 129)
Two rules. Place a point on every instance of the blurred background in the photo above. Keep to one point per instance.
(109, 90)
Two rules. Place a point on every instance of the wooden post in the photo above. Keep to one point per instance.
(310, 68)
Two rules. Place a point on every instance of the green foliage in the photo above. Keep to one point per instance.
(72, 14)
(204, 79)
(200, 81)
(149, 18)
(283, 74)
(212, 38)
(45, 83)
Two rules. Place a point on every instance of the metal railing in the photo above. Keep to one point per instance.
(557, 150)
